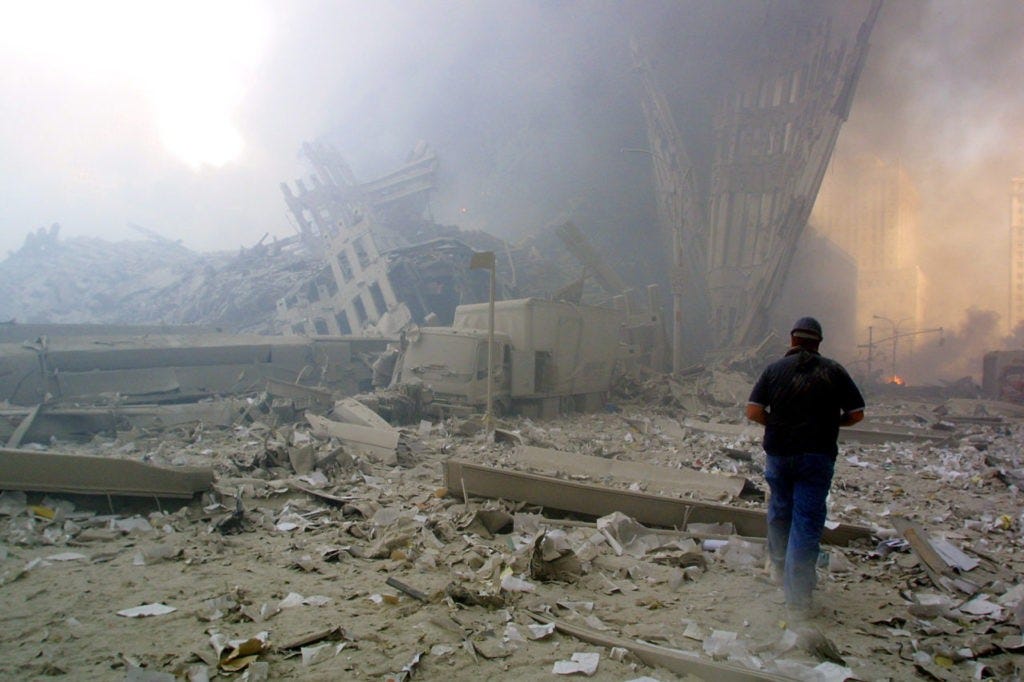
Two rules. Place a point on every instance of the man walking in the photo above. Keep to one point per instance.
(802, 400)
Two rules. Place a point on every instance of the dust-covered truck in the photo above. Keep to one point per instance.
(549, 356)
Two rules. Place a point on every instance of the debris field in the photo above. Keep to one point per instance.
(322, 554)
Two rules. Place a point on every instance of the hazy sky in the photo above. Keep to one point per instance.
(184, 117)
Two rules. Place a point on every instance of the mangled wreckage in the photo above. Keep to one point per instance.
(380, 276)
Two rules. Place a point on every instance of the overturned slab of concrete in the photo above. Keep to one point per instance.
(866, 432)
(53, 472)
(463, 478)
(658, 478)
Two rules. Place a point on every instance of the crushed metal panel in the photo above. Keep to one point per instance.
(465, 478)
(659, 478)
(80, 474)
(1003, 375)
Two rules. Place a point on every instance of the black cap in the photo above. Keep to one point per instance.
(807, 328)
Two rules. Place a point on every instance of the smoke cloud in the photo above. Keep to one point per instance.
(937, 98)
(528, 105)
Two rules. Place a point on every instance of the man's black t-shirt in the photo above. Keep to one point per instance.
(805, 395)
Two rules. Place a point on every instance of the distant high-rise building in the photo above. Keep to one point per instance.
(1016, 315)
(870, 209)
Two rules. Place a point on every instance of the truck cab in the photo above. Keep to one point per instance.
(549, 357)
(453, 363)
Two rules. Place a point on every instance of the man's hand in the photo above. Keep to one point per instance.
(757, 413)
(850, 418)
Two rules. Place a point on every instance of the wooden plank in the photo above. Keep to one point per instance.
(664, 479)
(26, 423)
(381, 443)
(465, 478)
(56, 472)
(679, 662)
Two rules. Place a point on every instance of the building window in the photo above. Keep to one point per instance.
(360, 310)
(298, 329)
(343, 326)
(320, 325)
(346, 267)
(378, 299)
(361, 255)
(312, 293)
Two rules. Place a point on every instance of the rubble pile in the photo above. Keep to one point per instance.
(153, 281)
(333, 546)
(157, 281)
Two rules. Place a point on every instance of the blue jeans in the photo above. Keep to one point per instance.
(796, 519)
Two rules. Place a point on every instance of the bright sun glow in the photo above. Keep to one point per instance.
(193, 61)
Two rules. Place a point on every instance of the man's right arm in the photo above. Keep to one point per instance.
(757, 413)
(852, 417)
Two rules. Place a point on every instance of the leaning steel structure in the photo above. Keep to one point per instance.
(774, 133)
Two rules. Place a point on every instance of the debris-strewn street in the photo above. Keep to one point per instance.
(533, 362)
(311, 558)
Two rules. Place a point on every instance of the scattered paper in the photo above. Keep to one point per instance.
(134, 523)
(510, 583)
(295, 599)
(538, 631)
(147, 610)
(981, 606)
(66, 556)
(585, 663)
(311, 655)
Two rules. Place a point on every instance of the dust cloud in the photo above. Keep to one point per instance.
(937, 97)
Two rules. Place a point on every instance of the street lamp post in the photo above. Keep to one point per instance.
(895, 337)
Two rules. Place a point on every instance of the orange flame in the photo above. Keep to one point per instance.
(896, 380)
